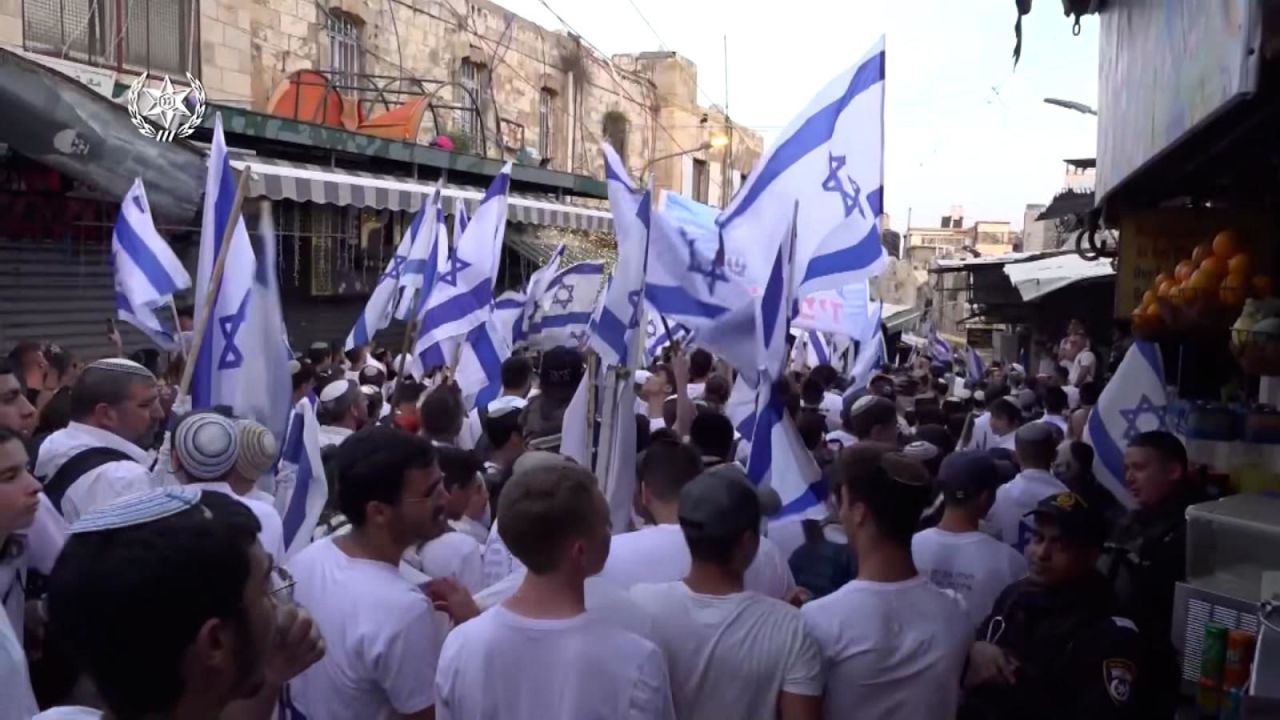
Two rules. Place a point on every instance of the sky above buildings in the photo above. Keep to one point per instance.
(963, 127)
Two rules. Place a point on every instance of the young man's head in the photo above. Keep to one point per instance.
(874, 419)
(503, 430)
(716, 392)
(881, 496)
(555, 521)
(119, 396)
(666, 467)
(303, 377)
(165, 600)
(28, 358)
(558, 377)
(517, 376)
(968, 480)
(19, 492)
(712, 434)
(700, 364)
(720, 518)
(660, 383)
(1066, 541)
(441, 414)
(1055, 401)
(812, 392)
(342, 405)
(389, 485)
(319, 354)
(826, 375)
(16, 412)
(374, 376)
(1036, 446)
(355, 357)
(463, 486)
(206, 446)
(1005, 416)
(1155, 468)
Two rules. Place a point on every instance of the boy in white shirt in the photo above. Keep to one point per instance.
(1036, 447)
(538, 655)
(383, 637)
(732, 653)
(894, 644)
(956, 555)
(453, 553)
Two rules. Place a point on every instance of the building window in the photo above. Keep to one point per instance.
(701, 180)
(546, 101)
(158, 36)
(474, 79)
(346, 61)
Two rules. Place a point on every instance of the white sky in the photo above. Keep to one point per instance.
(962, 127)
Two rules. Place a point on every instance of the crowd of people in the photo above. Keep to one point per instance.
(965, 563)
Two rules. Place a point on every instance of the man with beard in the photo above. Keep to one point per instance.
(102, 455)
(383, 637)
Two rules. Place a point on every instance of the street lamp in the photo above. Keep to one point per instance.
(716, 141)
(1072, 105)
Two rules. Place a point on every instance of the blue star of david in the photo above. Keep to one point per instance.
(1132, 415)
(712, 272)
(834, 183)
(456, 265)
(633, 298)
(397, 267)
(563, 296)
(651, 329)
(579, 337)
(231, 358)
(137, 202)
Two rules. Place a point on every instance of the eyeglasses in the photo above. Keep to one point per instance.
(281, 586)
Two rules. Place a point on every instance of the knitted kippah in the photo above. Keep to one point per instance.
(207, 446)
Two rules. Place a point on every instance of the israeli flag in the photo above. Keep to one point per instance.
(810, 349)
(871, 352)
(657, 338)
(479, 373)
(220, 365)
(460, 221)
(426, 261)
(618, 318)
(939, 350)
(575, 440)
(462, 297)
(562, 316)
(301, 487)
(147, 273)
(1134, 401)
(830, 161)
(508, 312)
(395, 280)
(975, 369)
(534, 288)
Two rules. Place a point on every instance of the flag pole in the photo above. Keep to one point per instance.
(177, 329)
(202, 321)
(593, 369)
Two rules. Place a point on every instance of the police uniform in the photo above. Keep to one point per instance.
(1077, 659)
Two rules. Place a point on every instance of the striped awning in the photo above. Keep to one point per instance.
(284, 180)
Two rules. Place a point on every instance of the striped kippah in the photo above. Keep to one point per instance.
(207, 446)
(258, 449)
(137, 509)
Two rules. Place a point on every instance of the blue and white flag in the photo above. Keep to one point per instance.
(657, 338)
(395, 280)
(779, 458)
(562, 315)
(871, 352)
(479, 373)
(462, 297)
(301, 487)
(508, 313)
(1134, 401)
(460, 221)
(220, 364)
(426, 260)
(147, 273)
(263, 388)
(534, 288)
(939, 349)
(618, 319)
(830, 161)
(975, 369)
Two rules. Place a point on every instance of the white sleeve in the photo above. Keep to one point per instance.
(405, 659)
(470, 572)
(104, 485)
(651, 695)
(804, 670)
(46, 536)
(769, 574)
(444, 680)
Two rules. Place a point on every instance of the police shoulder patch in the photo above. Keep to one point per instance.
(1118, 675)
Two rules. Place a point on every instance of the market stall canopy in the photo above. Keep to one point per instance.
(62, 124)
(1040, 277)
(897, 318)
(280, 180)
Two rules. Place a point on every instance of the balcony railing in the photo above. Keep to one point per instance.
(159, 36)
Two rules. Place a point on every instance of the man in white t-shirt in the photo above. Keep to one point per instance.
(517, 381)
(341, 412)
(731, 652)
(539, 655)
(1055, 408)
(1036, 448)
(658, 553)
(383, 638)
(894, 645)
(956, 555)
(452, 553)
(1084, 365)
(1005, 419)
(874, 419)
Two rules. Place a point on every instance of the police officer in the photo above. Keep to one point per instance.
(1052, 648)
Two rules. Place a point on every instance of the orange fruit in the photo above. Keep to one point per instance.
(1226, 244)
(1202, 251)
(1184, 270)
(1149, 298)
(1164, 288)
(1201, 280)
(1177, 293)
(1239, 265)
(1153, 309)
(1214, 265)
(1263, 286)
(1161, 278)
(1234, 290)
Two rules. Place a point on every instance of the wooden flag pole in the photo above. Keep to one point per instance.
(203, 315)
(177, 330)
(593, 370)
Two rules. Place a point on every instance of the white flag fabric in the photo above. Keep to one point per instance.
(618, 317)
(780, 460)
(829, 159)
(1135, 400)
(508, 313)
(575, 441)
(301, 487)
(147, 273)
(534, 288)
(220, 363)
(870, 352)
(562, 314)
(479, 374)
(619, 476)
(393, 282)
(426, 260)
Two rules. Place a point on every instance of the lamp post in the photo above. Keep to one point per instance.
(1072, 105)
(717, 141)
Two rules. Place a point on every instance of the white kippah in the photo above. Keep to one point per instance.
(506, 404)
(920, 450)
(121, 365)
(318, 345)
(294, 367)
(207, 445)
(137, 509)
(334, 390)
(862, 404)
(642, 376)
(370, 390)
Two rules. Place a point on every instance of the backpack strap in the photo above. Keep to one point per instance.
(76, 467)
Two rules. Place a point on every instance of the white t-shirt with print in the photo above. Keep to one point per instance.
(456, 555)
(973, 565)
(658, 554)
(893, 651)
(504, 666)
(730, 656)
(1006, 521)
(382, 638)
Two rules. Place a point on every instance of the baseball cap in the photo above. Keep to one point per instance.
(966, 474)
(718, 504)
(1076, 520)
